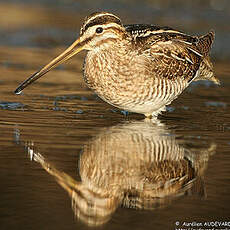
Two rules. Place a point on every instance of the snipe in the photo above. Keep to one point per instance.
(140, 68)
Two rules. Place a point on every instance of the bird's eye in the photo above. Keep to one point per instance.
(99, 30)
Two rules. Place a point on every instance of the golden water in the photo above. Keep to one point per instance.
(59, 143)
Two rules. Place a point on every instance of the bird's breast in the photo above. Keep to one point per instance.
(110, 68)
(114, 74)
(126, 80)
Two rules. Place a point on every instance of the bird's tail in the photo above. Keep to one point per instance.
(205, 43)
(207, 72)
(206, 68)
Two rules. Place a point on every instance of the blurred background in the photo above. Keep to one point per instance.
(59, 114)
(52, 23)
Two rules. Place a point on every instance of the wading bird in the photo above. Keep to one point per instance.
(139, 68)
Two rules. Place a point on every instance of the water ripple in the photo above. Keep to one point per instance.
(11, 105)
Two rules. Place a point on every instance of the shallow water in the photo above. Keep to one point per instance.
(70, 161)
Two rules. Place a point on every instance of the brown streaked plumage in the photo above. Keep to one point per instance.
(136, 165)
(140, 68)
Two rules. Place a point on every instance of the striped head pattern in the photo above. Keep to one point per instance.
(100, 28)
(97, 30)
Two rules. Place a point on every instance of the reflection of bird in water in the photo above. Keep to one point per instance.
(139, 68)
(135, 165)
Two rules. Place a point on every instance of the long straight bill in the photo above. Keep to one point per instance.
(68, 53)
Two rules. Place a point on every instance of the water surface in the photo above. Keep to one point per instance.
(68, 160)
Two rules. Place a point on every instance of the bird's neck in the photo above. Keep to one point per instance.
(104, 64)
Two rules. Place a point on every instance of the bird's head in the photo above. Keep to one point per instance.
(100, 29)
(97, 31)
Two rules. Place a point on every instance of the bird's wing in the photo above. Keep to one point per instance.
(173, 54)
(179, 56)
(172, 60)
